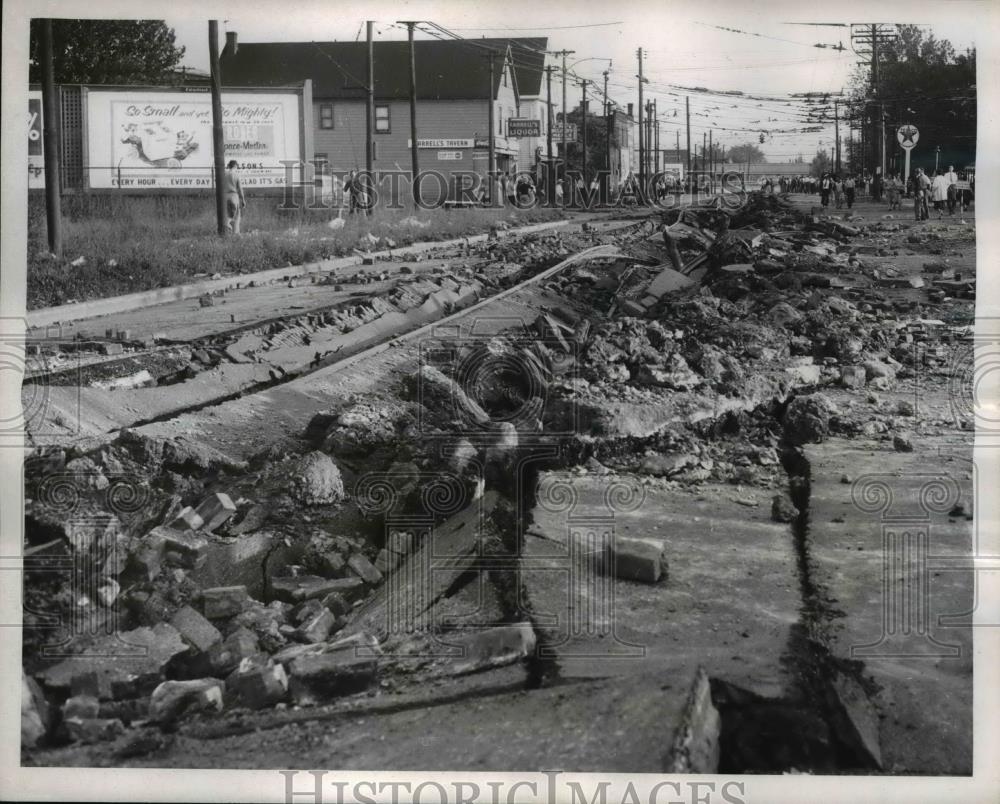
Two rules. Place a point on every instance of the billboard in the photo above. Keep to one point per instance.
(36, 155)
(148, 139)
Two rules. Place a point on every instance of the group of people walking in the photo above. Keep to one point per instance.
(842, 189)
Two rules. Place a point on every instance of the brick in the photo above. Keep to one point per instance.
(187, 519)
(387, 561)
(364, 569)
(258, 683)
(318, 627)
(146, 559)
(195, 629)
(225, 601)
(638, 559)
(173, 699)
(313, 679)
(216, 510)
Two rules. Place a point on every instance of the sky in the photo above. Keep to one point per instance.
(682, 40)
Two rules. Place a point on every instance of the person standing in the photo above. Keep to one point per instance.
(951, 177)
(838, 191)
(235, 200)
(354, 191)
(849, 190)
(939, 188)
(921, 190)
(825, 185)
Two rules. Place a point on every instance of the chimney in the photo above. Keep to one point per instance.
(231, 44)
(630, 107)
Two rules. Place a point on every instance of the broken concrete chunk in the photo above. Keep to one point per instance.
(215, 510)
(436, 391)
(313, 679)
(35, 712)
(184, 549)
(337, 603)
(387, 561)
(304, 587)
(318, 627)
(225, 601)
(123, 664)
(258, 682)
(494, 647)
(642, 560)
(902, 442)
(81, 707)
(364, 569)
(853, 376)
(173, 699)
(93, 730)
(783, 509)
(195, 629)
(315, 480)
(224, 657)
(187, 519)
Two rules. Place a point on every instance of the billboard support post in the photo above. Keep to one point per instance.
(218, 146)
(50, 143)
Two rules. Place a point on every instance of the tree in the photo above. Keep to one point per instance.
(923, 81)
(738, 154)
(820, 163)
(106, 51)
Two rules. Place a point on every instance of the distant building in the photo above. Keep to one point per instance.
(452, 89)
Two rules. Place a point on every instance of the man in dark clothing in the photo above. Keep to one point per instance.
(825, 186)
(849, 190)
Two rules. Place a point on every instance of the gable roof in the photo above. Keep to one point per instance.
(446, 70)
(528, 56)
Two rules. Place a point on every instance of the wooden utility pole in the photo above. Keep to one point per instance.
(565, 147)
(642, 151)
(218, 146)
(50, 144)
(370, 120)
(687, 115)
(550, 175)
(583, 129)
(711, 162)
(836, 134)
(656, 141)
(414, 161)
(491, 164)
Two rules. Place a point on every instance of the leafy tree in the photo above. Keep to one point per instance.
(820, 163)
(923, 81)
(738, 154)
(106, 51)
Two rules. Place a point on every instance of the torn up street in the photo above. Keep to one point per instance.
(681, 487)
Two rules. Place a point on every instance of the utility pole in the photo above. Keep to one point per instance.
(656, 117)
(642, 152)
(218, 146)
(687, 114)
(606, 110)
(370, 120)
(711, 162)
(565, 149)
(606, 186)
(704, 141)
(583, 128)
(415, 167)
(550, 176)
(50, 142)
(491, 164)
(836, 134)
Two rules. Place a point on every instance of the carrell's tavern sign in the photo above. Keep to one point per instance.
(441, 143)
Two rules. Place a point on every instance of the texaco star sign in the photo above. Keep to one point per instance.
(908, 136)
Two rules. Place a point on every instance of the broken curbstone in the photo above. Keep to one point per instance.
(184, 549)
(318, 627)
(304, 587)
(186, 519)
(364, 569)
(257, 683)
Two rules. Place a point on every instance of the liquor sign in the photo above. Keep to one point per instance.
(557, 131)
(453, 143)
(36, 154)
(523, 127)
(149, 139)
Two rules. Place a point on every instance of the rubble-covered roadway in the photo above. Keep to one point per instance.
(620, 518)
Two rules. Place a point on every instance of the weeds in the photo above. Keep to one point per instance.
(131, 244)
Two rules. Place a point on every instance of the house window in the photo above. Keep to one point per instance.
(382, 124)
(326, 115)
(499, 121)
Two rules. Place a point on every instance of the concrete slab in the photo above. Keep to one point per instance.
(729, 599)
(919, 650)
